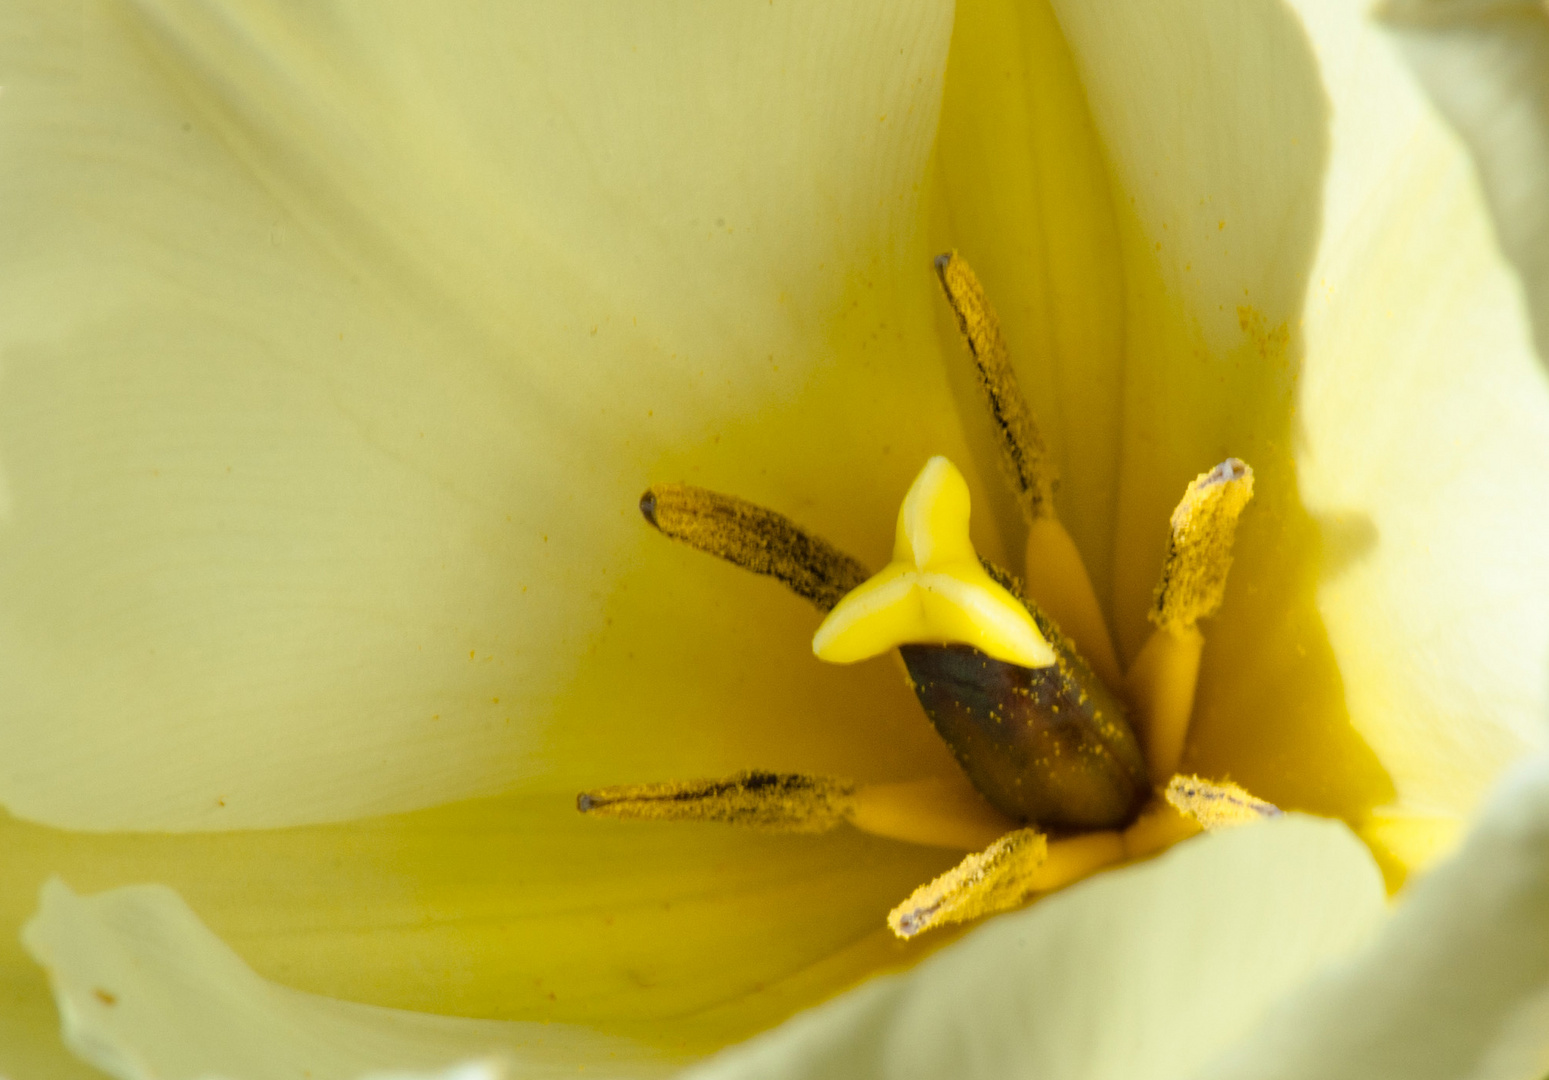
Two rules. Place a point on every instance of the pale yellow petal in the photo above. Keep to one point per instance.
(340, 342)
(1144, 972)
(681, 936)
(1455, 985)
(1311, 286)
(1486, 67)
(147, 992)
(1434, 546)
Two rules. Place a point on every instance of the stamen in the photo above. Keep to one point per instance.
(995, 879)
(935, 590)
(1215, 806)
(1004, 876)
(755, 539)
(1199, 548)
(777, 802)
(1161, 682)
(1056, 575)
(936, 812)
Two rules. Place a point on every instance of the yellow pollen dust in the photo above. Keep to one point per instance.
(934, 591)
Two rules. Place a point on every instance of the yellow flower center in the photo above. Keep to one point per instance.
(1040, 732)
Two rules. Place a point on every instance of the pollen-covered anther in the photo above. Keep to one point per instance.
(996, 879)
(756, 539)
(1220, 805)
(1022, 448)
(1199, 546)
(1004, 876)
(934, 591)
(1194, 572)
(776, 802)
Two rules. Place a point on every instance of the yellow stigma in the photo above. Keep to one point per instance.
(934, 592)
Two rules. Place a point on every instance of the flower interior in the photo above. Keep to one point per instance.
(1069, 765)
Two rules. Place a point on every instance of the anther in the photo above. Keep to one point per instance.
(756, 539)
(1199, 546)
(776, 802)
(935, 812)
(1022, 449)
(1056, 574)
(1221, 805)
(1199, 556)
(996, 879)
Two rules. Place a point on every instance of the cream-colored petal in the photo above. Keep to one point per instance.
(340, 341)
(147, 992)
(1145, 972)
(684, 937)
(1414, 311)
(1486, 68)
(1311, 285)
(1455, 986)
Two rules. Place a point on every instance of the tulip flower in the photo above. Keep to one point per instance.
(339, 343)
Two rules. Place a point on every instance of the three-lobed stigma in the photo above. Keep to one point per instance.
(935, 590)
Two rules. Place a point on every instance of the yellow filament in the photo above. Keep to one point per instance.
(1057, 581)
(1221, 805)
(934, 591)
(1077, 857)
(778, 802)
(1160, 687)
(936, 812)
(1159, 826)
(998, 878)
(1199, 546)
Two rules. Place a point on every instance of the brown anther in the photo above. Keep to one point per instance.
(756, 539)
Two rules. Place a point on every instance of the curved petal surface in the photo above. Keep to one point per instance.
(146, 992)
(1486, 67)
(1456, 985)
(1147, 971)
(340, 341)
(683, 937)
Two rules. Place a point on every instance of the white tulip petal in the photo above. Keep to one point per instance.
(1456, 985)
(340, 342)
(1486, 67)
(1426, 418)
(1148, 971)
(146, 992)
